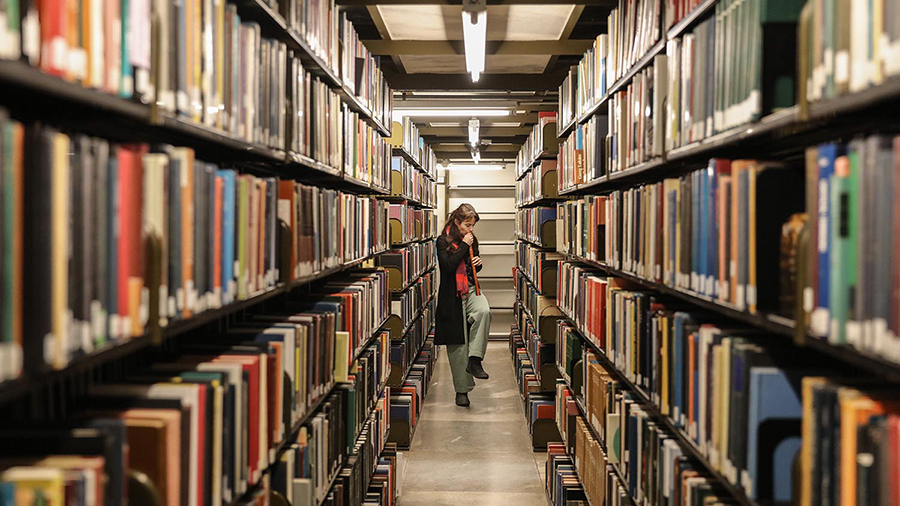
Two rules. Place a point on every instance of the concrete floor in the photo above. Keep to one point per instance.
(478, 455)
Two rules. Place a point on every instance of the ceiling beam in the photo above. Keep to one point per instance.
(490, 148)
(494, 47)
(381, 26)
(566, 33)
(463, 82)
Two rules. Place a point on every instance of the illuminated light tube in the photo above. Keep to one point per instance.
(475, 37)
(442, 113)
(462, 167)
(474, 125)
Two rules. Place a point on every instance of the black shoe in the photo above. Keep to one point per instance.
(462, 400)
(474, 368)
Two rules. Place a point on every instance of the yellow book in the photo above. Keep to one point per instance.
(60, 253)
(31, 482)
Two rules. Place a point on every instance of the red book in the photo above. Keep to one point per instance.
(217, 242)
(54, 20)
(251, 366)
(130, 248)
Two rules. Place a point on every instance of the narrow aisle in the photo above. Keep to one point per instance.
(477, 455)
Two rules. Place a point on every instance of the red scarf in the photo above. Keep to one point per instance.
(462, 278)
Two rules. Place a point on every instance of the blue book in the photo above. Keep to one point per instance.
(228, 217)
(774, 420)
(7, 494)
(712, 243)
(702, 255)
(828, 153)
(678, 382)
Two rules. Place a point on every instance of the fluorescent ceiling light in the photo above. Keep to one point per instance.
(446, 124)
(475, 37)
(471, 167)
(451, 113)
(473, 131)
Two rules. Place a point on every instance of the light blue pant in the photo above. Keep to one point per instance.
(477, 313)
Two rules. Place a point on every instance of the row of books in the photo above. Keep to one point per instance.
(850, 270)
(714, 232)
(537, 225)
(541, 141)
(409, 223)
(584, 155)
(405, 348)
(653, 467)
(715, 86)
(633, 27)
(581, 228)
(846, 47)
(678, 361)
(539, 308)
(540, 353)
(412, 184)
(539, 266)
(408, 400)
(380, 484)
(351, 485)
(367, 154)
(407, 304)
(361, 73)
(636, 120)
(526, 377)
(405, 135)
(315, 22)
(676, 10)
(408, 263)
(202, 426)
(101, 240)
(429, 160)
(561, 478)
(540, 183)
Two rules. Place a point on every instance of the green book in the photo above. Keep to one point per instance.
(840, 243)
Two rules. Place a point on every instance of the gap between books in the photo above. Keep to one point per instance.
(13, 389)
(653, 412)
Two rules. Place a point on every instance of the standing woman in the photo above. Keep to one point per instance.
(463, 318)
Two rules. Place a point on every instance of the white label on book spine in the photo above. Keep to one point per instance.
(115, 326)
(49, 348)
(179, 296)
(87, 343)
(751, 295)
(818, 321)
(842, 67)
(808, 299)
(854, 332)
(98, 323)
(740, 296)
(747, 483)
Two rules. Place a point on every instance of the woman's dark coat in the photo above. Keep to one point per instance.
(448, 323)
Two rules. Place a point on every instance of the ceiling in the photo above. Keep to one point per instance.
(530, 46)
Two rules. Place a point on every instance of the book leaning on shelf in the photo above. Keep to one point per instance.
(113, 239)
(203, 425)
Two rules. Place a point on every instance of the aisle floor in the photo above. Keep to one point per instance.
(478, 455)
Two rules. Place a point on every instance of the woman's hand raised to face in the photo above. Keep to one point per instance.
(476, 261)
(468, 238)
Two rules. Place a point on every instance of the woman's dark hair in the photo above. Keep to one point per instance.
(451, 228)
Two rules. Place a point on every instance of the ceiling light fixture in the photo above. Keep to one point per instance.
(450, 113)
(472, 167)
(476, 156)
(474, 20)
(474, 125)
